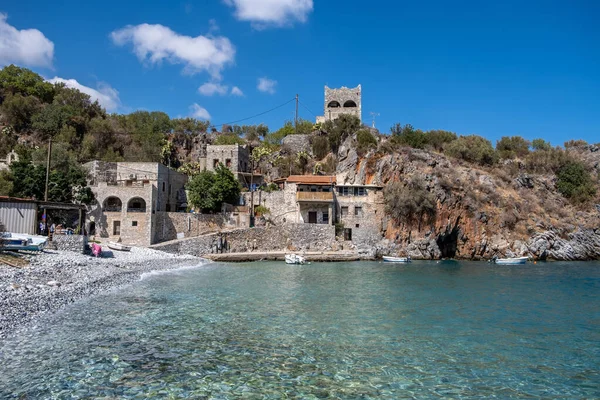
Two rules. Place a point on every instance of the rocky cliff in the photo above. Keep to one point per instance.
(481, 211)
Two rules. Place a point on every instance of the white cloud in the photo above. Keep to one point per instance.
(264, 13)
(107, 96)
(236, 91)
(27, 46)
(266, 85)
(154, 43)
(199, 112)
(211, 88)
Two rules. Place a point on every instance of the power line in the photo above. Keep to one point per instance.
(257, 115)
(308, 109)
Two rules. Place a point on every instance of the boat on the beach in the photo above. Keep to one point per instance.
(396, 259)
(118, 246)
(294, 259)
(22, 241)
(510, 260)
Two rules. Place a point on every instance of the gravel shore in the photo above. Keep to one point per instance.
(56, 278)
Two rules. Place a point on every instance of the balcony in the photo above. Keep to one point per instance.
(315, 197)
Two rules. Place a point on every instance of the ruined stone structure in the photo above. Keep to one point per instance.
(128, 196)
(341, 101)
(236, 158)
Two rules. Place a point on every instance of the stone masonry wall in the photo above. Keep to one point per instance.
(170, 225)
(281, 203)
(364, 216)
(291, 237)
(77, 243)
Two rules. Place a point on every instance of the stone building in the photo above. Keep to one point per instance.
(341, 101)
(235, 157)
(360, 210)
(307, 199)
(128, 196)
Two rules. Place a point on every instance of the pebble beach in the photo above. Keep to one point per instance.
(55, 278)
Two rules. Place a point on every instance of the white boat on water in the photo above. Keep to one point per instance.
(118, 246)
(396, 259)
(510, 261)
(23, 241)
(294, 259)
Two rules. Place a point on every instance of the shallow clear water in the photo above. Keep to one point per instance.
(343, 330)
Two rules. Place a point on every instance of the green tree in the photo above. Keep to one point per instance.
(18, 110)
(209, 190)
(575, 182)
(437, 139)
(277, 137)
(339, 129)
(15, 79)
(509, 147)
(50, 120)
(228, 139)
(304, 127)
(540, 144)
(408, 136)
(473, 149)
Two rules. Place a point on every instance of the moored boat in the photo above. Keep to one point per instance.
(22, 241)
(294, 259)
(118, 246)
(396, 259)
(510, 260)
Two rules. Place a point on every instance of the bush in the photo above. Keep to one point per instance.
(228, 139)
(575, 183)
(408, 136)
(575, 143)
(541, 144)
(547, 161)
(209, 190)
(365, 141)
(320, 147)
(512, 146)
(437, 139)
(473, 149)
(409, 204)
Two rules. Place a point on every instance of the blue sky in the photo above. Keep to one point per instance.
(530, 68)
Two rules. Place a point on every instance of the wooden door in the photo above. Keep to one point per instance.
(312, 217)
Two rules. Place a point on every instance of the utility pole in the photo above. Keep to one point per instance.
(296, 118)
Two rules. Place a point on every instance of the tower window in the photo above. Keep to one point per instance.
(350, 103)
(333, 104)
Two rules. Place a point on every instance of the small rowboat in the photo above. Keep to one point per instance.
(396, 259)
(118, 246)
(511, 261)
(294, 259)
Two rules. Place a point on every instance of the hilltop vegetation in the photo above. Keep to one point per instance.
(32, 111)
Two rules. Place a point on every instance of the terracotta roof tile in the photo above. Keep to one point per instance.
(312, 179)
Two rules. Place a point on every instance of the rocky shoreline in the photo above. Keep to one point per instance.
(54, 279)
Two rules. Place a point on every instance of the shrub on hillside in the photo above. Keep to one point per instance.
(408, 136)
(547, 161)
(320, 147)
(411, 203)
(365, 141)
(575, 183)
(512, 146)
(540, 144)
(437, 139)
(575, 143)
(473, 149)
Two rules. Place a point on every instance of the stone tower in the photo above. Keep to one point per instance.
(341, 101)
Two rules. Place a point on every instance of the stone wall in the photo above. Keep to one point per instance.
(281, 203)
(297, 143)
(234, 157)
(77, 243)
(291, 237)
(170, 226)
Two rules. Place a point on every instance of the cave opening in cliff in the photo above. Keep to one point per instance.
(448, 242)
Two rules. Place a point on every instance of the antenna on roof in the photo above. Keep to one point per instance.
(373, 115)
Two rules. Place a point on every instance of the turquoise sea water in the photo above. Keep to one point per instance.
(326, 330)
